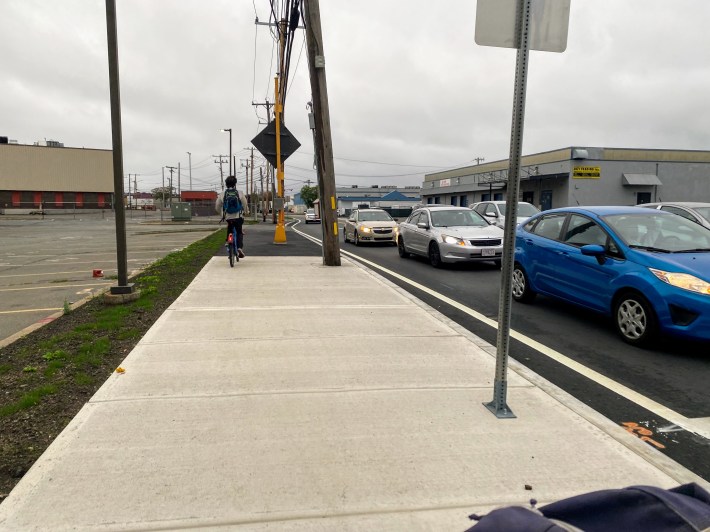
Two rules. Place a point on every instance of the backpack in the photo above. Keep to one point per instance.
(648, 508)
(232, 204)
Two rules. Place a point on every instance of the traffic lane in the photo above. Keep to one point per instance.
(672, 373)
(47, 262)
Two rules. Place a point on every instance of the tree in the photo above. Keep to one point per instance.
(309, 195)
(160, 191)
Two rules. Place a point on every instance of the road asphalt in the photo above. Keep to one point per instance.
(284, 394)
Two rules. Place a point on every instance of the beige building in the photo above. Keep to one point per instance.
(53, 177)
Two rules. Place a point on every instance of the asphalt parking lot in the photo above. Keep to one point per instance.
(48, 262)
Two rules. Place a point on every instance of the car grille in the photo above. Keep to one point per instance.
(486, 242)
(382, 230)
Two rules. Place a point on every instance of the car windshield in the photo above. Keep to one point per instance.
(457, 218)
(374, 216)
(659, 232)
(524, 209)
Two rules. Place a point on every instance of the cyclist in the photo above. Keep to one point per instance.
(236, 218)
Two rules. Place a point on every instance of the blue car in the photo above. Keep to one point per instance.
(647, 269)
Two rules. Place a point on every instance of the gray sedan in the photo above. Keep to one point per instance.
(446, 234)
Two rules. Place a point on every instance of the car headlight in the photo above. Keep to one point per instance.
(453, 240)
(683, 280)
(365, 229)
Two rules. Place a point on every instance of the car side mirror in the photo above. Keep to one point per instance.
(595, 250)
(423, 225)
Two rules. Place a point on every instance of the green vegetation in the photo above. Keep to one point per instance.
(28, 400)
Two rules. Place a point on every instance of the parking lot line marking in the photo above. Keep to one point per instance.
(50, 273)
(29, 310)
(54, 287)
(595, 376)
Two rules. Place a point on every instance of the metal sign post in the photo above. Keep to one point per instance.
(545, 23)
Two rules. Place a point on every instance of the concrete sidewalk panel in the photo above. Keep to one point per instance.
(317, 364)
(263, 282)
(273, 457)
(358, 322)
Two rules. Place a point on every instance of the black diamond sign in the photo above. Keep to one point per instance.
(265, 142)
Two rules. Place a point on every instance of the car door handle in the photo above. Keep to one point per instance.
(529, 242)
(563, 253)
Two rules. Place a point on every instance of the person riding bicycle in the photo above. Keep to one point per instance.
(233, 205)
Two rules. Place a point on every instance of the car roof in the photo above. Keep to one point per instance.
(370, 209)
(499, 202)
(604, 210)
(439, 207)
(689, 204)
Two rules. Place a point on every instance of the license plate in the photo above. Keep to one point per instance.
(488, 252)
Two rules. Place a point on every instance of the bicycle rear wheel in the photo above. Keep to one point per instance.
(232, 255)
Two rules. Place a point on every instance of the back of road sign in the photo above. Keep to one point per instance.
(549, 22)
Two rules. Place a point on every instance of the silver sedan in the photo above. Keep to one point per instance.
(450, 234)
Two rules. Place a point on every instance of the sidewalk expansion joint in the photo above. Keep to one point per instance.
(313, 391)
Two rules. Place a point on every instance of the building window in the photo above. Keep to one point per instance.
(429, 201)
(437, 200)
(498, 196)
(453, 201)
(643, 197)
(485, 197)
(464, 201)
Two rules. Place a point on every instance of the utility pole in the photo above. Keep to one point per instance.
(478, 160)
(324, 144)
(270, 183)
(129, 192)
(179, 189)
(162, 203)
(252, 181)
(221, 173)
(170, 185)
(263, 197)
(189, 159)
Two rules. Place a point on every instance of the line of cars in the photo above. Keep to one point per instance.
(645, 266)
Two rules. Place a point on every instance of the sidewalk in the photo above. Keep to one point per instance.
(286, 395)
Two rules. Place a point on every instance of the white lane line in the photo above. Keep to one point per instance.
(55, 287)
(610, 384)
(29, 310)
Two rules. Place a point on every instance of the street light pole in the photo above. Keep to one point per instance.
(230, 148)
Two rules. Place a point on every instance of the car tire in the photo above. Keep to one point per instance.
(345, 235)
(498, 264)
(356, 239)
(435, 255)
(521, 290)
(401, 249)
(634, 318)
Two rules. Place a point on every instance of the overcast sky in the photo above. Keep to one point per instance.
(410, 91)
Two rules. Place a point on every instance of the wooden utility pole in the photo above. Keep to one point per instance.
(324, 145)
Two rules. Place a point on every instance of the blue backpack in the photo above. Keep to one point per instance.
(232, 204)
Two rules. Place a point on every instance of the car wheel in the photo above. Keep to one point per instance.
(356, 239)
(521, 285)
(434, 255)
(401, 249)
(345, 235)
(634, 318)
(498, 263)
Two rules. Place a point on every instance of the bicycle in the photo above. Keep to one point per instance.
(232, 245)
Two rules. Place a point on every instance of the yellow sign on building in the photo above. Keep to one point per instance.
(587, 172)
